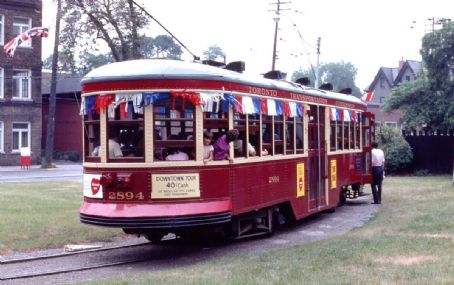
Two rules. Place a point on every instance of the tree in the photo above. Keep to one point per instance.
(397, 150)
(46, 160)
(308, 73)
(87, 61)
(429, 101)
(114, 22)
(166, 47)
(214, 53)
(340, 74)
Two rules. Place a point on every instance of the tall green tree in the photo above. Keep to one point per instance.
(429, 101)
(340, 74)
(214, 52)
(115, 23)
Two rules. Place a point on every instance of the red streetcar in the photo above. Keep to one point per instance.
(311, 149)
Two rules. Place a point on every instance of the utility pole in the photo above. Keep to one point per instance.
(276, 20)
(317, 75)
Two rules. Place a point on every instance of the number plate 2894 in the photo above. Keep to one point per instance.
(122, 195)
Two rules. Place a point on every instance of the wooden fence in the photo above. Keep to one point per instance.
(432, 152)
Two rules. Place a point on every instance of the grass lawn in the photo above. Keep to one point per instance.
(44, 215)
(410, 241)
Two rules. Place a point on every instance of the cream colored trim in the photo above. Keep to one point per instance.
(306, 129)
(103, 135)
(148, 130)
(272, 135)
(193, 163)
(198, 133)
(231, 148)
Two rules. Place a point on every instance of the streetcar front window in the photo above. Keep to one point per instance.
(173, 134)
(125, 131)
(92, 138)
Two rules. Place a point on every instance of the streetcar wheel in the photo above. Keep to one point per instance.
(154, 238)
(342, 198)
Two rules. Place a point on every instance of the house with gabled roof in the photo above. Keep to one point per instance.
(386, 79)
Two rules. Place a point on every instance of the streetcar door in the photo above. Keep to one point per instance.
(368, 136)
(316, 157)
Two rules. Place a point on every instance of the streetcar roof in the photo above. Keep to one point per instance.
(146, 69)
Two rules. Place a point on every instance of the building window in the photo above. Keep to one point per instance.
(407, 77)
(1, 137)
(21, 84)
(21, 25)
(1, 83)
(21, 135)
(2, 29)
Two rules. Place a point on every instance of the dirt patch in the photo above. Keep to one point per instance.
(405, 260)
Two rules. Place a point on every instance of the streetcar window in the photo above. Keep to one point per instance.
(240, 144)
(290, 135)
(299, 131)
(267, 133)
(254, 135)
(352, 135)
(92, 138)
(346, 134)
(173, 133)
(125, 130)
(312, 127)
(358, 134)
(332, 134)
(279, 134)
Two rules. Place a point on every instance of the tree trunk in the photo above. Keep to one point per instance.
(47, 159)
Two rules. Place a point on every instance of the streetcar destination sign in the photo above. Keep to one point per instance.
(168, 186)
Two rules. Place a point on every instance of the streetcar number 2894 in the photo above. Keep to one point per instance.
(126, 196)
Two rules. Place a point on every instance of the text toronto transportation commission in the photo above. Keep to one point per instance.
(312, 149)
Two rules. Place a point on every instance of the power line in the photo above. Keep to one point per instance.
(162, 26)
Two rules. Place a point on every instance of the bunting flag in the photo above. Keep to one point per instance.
(238, 104)
(346, 116)
(300, 110)
(279, 107)
(11, 46)
(367, 97)
(287, 111)
(264, 106)
(103, 101)
(293, 111)
(271, 106)
(211, 101)
(257, 105)
(248, 105)
(354, 116)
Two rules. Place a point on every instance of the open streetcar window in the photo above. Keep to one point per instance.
(240, 144)
(290, 135)
(299, 132)
(125, 130)
(92, 138)
(173, 133)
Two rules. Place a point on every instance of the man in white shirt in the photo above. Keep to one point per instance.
(378, 166)
(114, 148)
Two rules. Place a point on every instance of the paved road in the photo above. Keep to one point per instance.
(62, 170)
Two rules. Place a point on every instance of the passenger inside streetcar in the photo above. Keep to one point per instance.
(176, 154)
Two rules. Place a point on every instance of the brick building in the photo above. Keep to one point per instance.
(20, 82)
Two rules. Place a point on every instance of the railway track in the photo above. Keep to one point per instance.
(39, 266)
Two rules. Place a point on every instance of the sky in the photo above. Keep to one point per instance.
(368, 34)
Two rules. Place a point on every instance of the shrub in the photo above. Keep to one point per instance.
(398, 154)
(67, 155)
